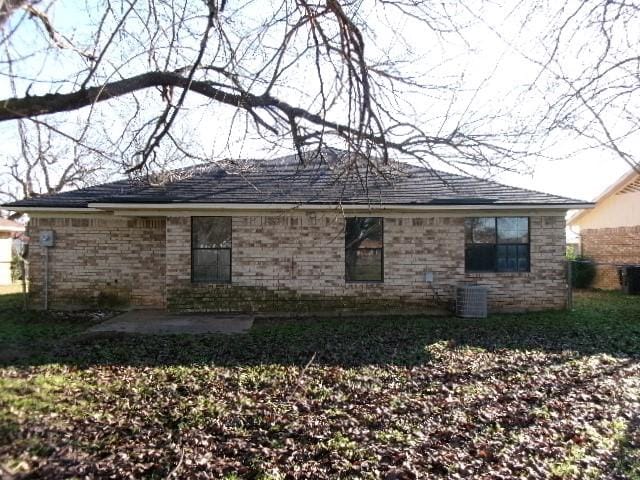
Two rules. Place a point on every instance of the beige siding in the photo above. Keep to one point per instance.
(618, 210)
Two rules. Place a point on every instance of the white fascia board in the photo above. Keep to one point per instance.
(52, 209)
(12, 229)
(285, 207)
(579, 213)
(163, 208)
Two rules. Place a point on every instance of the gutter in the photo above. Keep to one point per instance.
(285, 206)
(18, 208)
(98, 207)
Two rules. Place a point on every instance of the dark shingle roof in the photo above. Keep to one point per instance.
(285, 181)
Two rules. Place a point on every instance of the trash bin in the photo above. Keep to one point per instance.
(629, 276)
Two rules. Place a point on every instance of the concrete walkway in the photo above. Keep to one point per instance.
(160, 322)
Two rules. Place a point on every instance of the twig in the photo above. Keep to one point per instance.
(58, 40)
(177, 467)
(301, 377)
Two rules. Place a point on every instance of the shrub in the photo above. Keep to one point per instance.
(16, 270)
(583, 271)
(572, 251)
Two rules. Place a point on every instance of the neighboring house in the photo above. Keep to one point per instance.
(282, 237)
(610, 233)
(8, 231)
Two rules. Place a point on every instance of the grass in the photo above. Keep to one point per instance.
(8, 290)
(31, 334)
(544, 395)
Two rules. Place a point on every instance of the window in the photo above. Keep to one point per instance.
(497, 244)
(211, 249)
(363, 249)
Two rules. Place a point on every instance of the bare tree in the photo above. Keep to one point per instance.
(44, 160)
(45, 165)
(158, 80)
(8, 7)
(306, 73)
(601, 101)
(588, 59)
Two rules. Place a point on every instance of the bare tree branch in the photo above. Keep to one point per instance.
(7, 8)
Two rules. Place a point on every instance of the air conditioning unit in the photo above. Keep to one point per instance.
(471, 301)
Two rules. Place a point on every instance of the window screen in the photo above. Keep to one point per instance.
(497, 244)
(364, 249)
(211, 249)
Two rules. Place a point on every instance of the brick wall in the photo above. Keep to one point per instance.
(296, 263)
(100, 261)
(611, 245)
(283, 263)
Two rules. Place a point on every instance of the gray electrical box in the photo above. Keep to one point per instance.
(428, 277)
(47, 238)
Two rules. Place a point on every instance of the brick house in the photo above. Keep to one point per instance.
(610, 232)
(279, 236)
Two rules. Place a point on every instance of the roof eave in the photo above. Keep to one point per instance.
(102, 207)
(612, 189)
(333, 206)
(27, 209)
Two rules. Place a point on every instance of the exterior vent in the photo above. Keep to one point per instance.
(632, 187)
(471, 301)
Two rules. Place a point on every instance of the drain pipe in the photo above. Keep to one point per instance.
(46, 278)
(46, 241)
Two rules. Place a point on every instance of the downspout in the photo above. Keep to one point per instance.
(46, 241)
(46, 278)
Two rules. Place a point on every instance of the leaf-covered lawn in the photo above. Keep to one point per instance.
(550, 395)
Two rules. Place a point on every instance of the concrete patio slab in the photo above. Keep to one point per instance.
(160, 322)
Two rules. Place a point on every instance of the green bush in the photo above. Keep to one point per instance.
(16, 270)
(572, 251)
(583, 271)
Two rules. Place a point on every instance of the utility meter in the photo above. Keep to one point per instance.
(46, 238)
